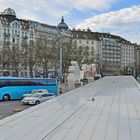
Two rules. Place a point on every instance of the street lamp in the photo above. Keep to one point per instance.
(61, 75)
(61, 62)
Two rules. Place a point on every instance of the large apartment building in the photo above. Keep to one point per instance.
(16, 34)
(89, 45)
(112, 54)
(137, 59)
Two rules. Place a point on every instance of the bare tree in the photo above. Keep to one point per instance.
(44, 53)
(5, 57)
(67, 55)
(28, 58)
(15, 59)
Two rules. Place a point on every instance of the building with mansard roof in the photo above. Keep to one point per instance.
(16, 33)
(112, 54)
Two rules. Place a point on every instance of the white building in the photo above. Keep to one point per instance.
(88, 43)
(16, 33)
(111, 53)
(127, 55)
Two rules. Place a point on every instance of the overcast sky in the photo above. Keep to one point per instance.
(120, 17)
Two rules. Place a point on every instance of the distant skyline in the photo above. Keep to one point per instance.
(120, 17)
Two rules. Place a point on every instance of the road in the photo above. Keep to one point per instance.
(6, 108)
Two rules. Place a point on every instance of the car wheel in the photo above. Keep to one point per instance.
(6, 97)
(37, 102)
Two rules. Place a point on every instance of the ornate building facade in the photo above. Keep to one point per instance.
(30, 48)
(25, 45)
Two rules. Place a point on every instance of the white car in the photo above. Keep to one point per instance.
(35, 91)
(38, 98)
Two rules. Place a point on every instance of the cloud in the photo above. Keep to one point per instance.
(84, 5)
(125, 22)
(54, 9)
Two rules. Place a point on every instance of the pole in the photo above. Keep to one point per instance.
(55, 69)
(61, 75)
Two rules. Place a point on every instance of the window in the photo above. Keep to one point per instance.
(22, 34)
(3, 83)
(15, 24)
(87, 47)
(42, 82)
(16, 32)
(17, 41)
(8, 30)
(13, 40)
(40, 91)
(51, 94)
(26, 34)
(13, 82)
(46, 95)
(28, 82)
(4, 30)
(51, 81)
(92, 53)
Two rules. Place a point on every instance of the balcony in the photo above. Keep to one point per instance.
(6, 34)
(7, 42)
(25, 37)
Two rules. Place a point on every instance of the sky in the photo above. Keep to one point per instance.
(119, 17)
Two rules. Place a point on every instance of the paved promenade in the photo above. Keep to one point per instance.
(113, 115)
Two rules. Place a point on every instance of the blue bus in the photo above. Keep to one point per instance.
(14, 87)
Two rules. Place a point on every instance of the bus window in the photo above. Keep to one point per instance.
(13, 82)
(23, 82)
(52, 82)
(3, 82)
(33, 82)
(43, 81)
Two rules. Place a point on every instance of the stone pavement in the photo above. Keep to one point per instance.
(113, 115)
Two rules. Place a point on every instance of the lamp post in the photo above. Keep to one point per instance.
(61, 75)
(60, 68)
(55, 60)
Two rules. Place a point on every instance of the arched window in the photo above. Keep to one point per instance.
(18, 26)
(15, 24)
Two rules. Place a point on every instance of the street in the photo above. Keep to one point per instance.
(10, 107)
(6, 108)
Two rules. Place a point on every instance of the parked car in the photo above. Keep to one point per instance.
(96, 77)
(37, 98)
(35, 92)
